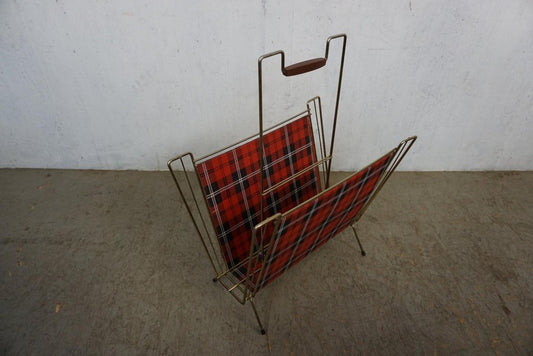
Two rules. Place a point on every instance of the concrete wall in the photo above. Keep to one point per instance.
(126, 84)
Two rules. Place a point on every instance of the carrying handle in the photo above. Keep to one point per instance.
(295, 69)
(303, 67)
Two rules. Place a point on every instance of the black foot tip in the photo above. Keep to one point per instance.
(363, 253)
(215, 279)
(263, 332)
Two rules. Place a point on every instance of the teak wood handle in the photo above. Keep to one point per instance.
(304, 66)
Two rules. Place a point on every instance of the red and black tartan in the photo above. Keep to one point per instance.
(232, 185)
(318, 220)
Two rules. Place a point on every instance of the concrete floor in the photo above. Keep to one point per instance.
(106, 262)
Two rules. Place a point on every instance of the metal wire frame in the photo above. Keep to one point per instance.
(244, 290)
(197, 206)
(401, 151)
(196, 203)
(264, 244)
(314, 106)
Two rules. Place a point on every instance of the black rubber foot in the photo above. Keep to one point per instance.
(215, 279)
(263, 332)
(363, 253)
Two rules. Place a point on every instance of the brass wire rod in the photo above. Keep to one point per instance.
(201, 215)
(249, 138)
(208, 234)
(236, 267)
(242, 299)
(236, 285)
(204, 199)
(337, 100)
(330, 188)
(321, 134)
(276, 219)
(363, 252)
(257, 317)
(169, 165)
(296, 175)
(401, 151)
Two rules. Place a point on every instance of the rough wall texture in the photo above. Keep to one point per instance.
(128, 84)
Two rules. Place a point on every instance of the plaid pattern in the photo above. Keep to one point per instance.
(318, 220)
(232, 185)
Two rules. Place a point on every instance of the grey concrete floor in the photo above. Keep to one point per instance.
(106, 262)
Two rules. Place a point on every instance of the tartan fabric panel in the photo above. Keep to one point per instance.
(232, 185)
(318, 220)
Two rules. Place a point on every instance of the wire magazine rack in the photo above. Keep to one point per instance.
(263, 204)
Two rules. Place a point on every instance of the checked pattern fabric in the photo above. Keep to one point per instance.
(312, 224)
(232, 185)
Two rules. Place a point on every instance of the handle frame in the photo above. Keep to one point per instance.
(296, 69)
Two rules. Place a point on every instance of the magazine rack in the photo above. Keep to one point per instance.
(264, 203)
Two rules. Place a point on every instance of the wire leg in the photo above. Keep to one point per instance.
(263, 332)
(363, 253)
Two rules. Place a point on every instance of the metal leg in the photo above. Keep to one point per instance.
(263, 332)
(358, 241)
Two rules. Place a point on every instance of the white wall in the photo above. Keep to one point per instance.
(127, 84)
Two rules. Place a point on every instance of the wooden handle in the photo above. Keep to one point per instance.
(304, 67)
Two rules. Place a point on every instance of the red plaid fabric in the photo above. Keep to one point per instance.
(232, 185)
(315, 222)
